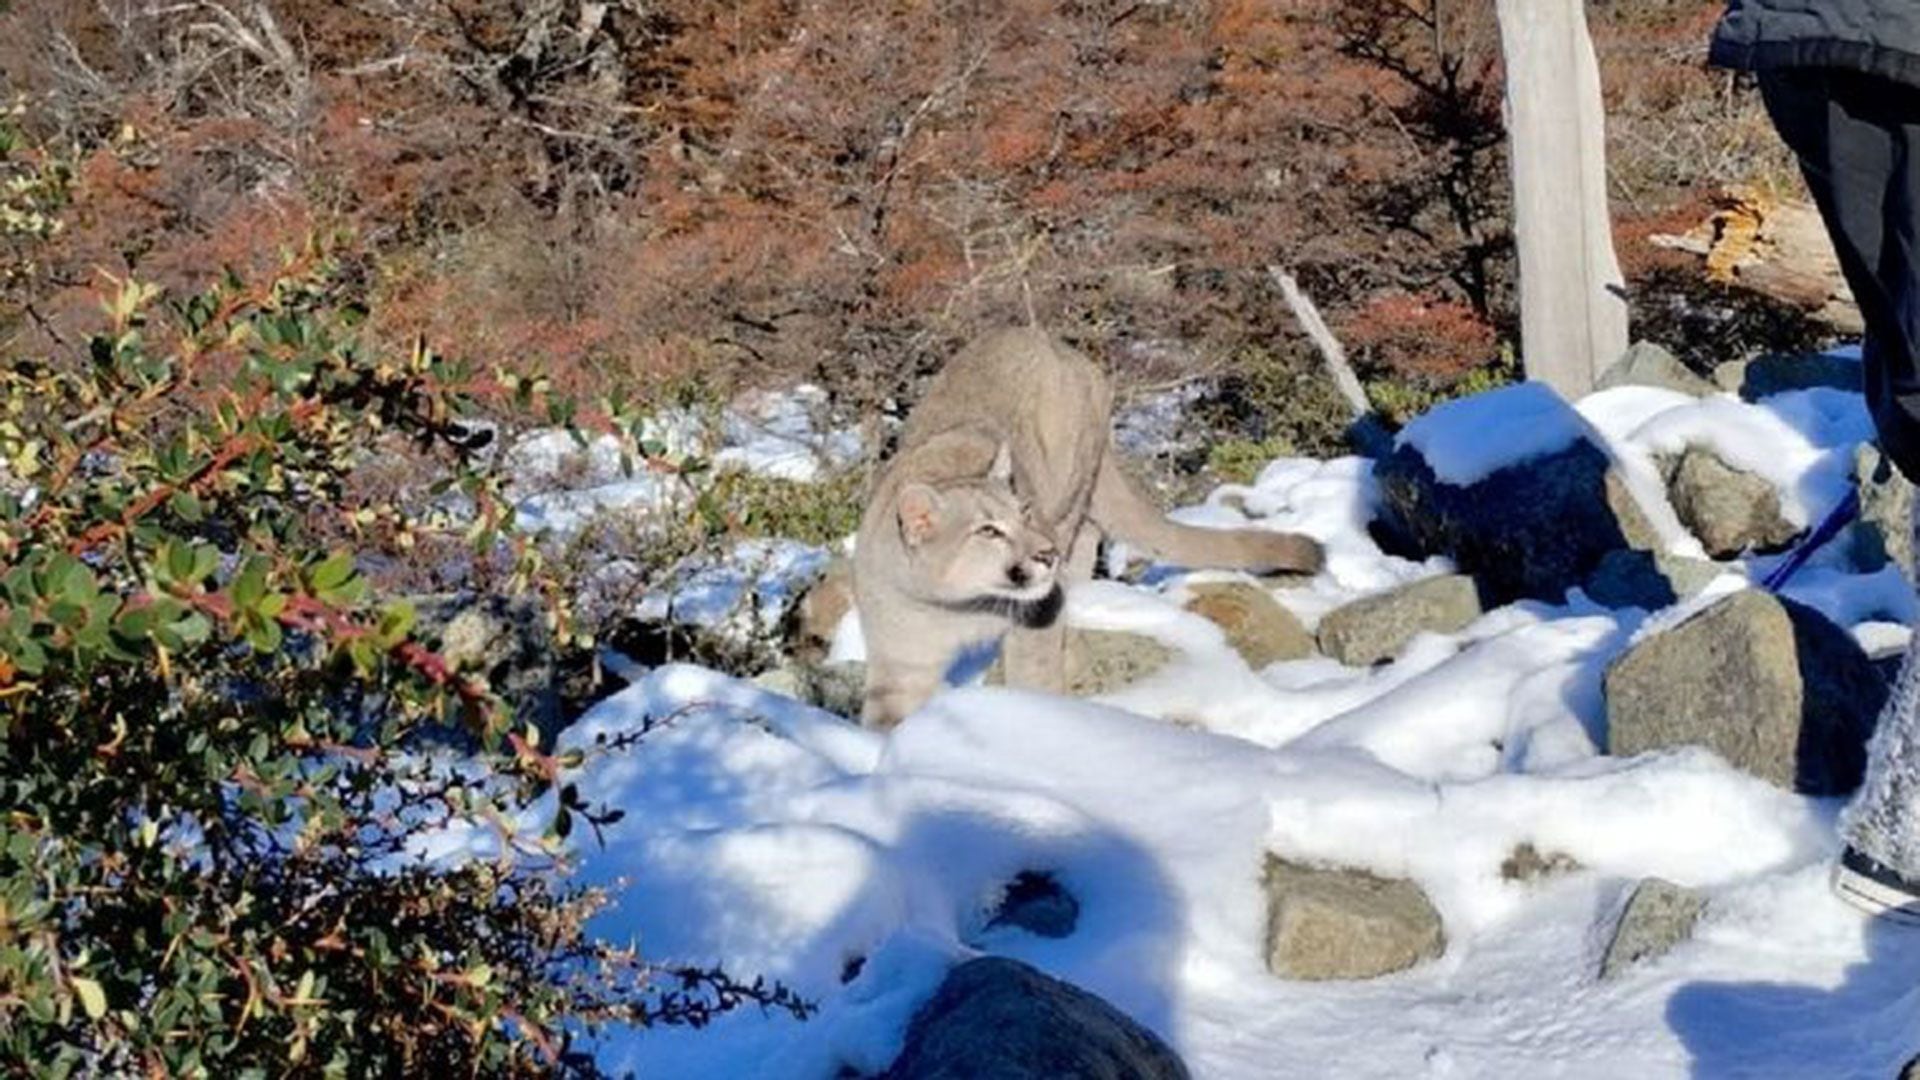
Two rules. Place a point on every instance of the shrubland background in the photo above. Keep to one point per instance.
(627, 194)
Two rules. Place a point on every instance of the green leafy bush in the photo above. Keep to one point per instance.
(217, 740)
(1400, 400)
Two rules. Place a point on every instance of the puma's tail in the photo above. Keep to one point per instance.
(1125, 512)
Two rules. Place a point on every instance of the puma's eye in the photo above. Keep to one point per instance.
(991, 531)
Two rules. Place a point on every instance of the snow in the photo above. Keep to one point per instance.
(1800, 442)
(562, 481)
(779, 435)
(748, 588)
(1469, 439)
(783, 841)
(793, 844)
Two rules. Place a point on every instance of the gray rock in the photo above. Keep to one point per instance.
(1648, 364)
(1648, 579)
(1375, 628)
(1000, 1018)
(1526, 864)
(787, 680)
(839, 687)
(1101, 661)
(1658, 916)
(1257, 626)
(1777, 373)
(1339, 923)
(1035, 902)
(1884, 531)
(1768, 684)
(1534, 529)
(1729, 510)
(505, 641)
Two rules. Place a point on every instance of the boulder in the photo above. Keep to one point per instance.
(1036, 902)
(1777, 373)
(1728, 509)
(1768, 684)
(1647, 364)
(1340, 923)
(1658, 916)
(1649, 580)
(1884, 531)
(1000, 1018)
(1375, 628)
(1532, 529)
(1101, 661)
(1257, 626)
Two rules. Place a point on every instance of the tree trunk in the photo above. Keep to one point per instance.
(1573, 309)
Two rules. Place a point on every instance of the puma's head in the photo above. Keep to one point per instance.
(976, 539)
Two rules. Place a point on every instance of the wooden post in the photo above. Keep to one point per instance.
(1573, 309)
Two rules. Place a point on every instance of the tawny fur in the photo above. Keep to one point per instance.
(1004, 483)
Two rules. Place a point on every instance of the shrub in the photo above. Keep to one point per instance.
(1275, 402)
(217, 743)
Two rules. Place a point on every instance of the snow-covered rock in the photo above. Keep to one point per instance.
(1515, 488)
(1649, 580)
(1037, 903)
(1000, 1018)
(1728, 509)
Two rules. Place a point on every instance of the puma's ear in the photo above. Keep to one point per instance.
(1001, 471)
(918, 507)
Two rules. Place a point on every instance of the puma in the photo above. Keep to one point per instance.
(1003, 485)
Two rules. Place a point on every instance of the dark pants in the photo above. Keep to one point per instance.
(1858, 140)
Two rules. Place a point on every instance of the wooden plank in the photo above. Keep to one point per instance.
(1573, 309)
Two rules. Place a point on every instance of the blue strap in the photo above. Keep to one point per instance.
(1836, 519)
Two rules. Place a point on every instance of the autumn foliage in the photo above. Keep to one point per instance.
(760, 189)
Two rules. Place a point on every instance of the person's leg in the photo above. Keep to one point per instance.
(1856, 138)
(1858, 142)
(1880, 869)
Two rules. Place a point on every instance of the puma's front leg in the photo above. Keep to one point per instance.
(1036, 651)
(895, 690)
(1036, 655)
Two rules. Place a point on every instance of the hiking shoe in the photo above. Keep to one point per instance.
(1876, 888)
